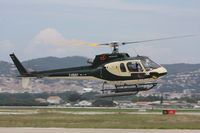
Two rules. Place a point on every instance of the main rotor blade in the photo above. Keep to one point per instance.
(70, 43)
(158, 39)
(94, 44)
(114, 44)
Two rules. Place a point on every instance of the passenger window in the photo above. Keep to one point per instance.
(122, 67)
(134, 67)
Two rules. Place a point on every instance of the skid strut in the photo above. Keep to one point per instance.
(125, 90)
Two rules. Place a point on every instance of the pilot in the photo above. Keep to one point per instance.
(136, 65)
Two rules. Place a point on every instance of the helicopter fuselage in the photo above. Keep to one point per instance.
(117, 69)
(128, 74)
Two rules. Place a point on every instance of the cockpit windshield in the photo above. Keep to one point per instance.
(149, 64)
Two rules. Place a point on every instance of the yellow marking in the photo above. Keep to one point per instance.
(154, 77)
(93, 44)
(79, 43)
(73, 43)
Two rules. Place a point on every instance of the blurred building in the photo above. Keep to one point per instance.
(83, 103)
(41, 100)
(54, 99)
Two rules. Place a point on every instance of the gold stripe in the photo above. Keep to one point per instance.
(93, 44)
(81, 43)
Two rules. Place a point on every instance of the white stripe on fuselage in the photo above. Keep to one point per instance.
(127, 82)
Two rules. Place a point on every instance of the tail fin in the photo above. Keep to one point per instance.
(18, 64)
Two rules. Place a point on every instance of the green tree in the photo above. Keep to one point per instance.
(89, 96)
(74, 97)
(103, 103)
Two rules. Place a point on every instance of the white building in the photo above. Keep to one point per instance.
(84, 103)
(41, 100)
(87, 90)
(54, 99)
(125, 104)
(196, 107)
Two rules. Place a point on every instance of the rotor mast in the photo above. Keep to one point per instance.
(115, 49)
(115, 46)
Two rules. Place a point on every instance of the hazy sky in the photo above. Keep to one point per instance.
(31, 28)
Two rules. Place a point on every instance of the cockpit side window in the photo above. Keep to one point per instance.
(134, 67)
(122, 67)
(149, 64)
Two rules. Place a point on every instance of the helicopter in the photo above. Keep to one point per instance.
(129, 75)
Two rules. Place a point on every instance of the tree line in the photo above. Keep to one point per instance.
(28, 99)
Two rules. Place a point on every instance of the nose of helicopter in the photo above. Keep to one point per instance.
(158, 73)
(162, 72)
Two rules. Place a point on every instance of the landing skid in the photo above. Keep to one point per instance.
(125, 90)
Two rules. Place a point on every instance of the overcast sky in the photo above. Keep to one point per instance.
(31, 28)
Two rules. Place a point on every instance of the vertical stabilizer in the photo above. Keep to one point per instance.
(18, 64)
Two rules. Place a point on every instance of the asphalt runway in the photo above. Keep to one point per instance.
(96, 113)
(83, 130)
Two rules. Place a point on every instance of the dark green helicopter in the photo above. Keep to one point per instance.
(128, 74)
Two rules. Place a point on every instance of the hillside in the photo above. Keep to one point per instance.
(181, 67)
(180, 76)
(55, 63)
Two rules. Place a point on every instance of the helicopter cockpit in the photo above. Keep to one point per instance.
(134, 66)
(154, 69)
(149, 64)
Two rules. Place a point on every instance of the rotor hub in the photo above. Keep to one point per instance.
(115, 49)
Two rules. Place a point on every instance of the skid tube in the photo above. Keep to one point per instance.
(126, 90)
